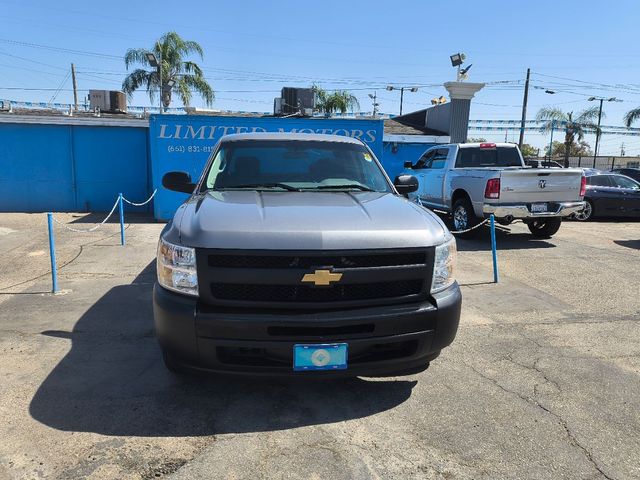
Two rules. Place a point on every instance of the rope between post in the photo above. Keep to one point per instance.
(143, 203)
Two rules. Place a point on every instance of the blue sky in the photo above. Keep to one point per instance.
(253, 48)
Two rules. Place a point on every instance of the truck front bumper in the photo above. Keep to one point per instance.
(383, 340)
(523, 210)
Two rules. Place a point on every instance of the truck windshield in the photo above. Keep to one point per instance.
(476, 157)
(295, 165)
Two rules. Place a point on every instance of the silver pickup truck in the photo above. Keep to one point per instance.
(295, 254)
(473, 180)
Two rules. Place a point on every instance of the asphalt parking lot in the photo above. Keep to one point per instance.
(543, 380)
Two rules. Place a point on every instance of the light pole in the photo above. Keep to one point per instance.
(157, 63)
(402, 89)
(601, 100)
(374, 97)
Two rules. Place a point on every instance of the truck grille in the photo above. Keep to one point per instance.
(274, 278)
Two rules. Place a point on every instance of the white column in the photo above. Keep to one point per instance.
(461, 94)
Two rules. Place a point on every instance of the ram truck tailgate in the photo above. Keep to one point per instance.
(527, 185)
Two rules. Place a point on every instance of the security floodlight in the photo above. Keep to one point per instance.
(413, 89)
(465, 70)
(591, 99)
(171, 83)
(550, 92)
(153, 61)
(389, 87)
(457, 59)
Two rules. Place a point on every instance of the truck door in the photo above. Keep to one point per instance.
(433, 176)
(419, 172)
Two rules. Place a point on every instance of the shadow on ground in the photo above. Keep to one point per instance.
(137, 216)
(113, 382)
(505, 240)
(628, 243)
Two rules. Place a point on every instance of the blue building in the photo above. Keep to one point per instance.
(51, 161)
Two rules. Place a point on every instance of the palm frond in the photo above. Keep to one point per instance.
(134, 80)
(136, 55)
(631, 117)
(590, 115)
(201, 86)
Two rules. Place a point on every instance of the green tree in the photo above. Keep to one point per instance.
(578, 149)
(338, 101)
(185, 76)
(529, 150)
(574, 125)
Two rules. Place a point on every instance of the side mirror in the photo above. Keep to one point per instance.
(405, 184)
(178, 182)
(408, 164)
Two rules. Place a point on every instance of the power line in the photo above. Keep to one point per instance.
(60, 49)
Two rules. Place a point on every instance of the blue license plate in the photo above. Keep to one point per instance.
(320, 356)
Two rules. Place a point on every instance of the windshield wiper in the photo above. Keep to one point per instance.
(349, 186)
(259, 186)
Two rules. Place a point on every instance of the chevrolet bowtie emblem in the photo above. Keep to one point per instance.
(322, 277)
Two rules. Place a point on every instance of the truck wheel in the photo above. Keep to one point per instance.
(544, 228)
(586, 214)
(464, 217)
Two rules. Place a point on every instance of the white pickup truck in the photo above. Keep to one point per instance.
(473, 180)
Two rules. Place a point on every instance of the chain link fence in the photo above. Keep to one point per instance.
(600, 162)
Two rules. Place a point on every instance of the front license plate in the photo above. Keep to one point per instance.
(320, 356)
(539, 207)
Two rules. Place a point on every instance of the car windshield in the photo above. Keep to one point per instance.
(295, 165)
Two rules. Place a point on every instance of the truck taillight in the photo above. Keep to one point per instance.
(583, 186)
(492, 190)
(488, 146)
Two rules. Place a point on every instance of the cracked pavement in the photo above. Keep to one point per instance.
(542, 381)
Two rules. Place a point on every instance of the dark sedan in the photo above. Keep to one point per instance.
(610, 195)
(629, 172)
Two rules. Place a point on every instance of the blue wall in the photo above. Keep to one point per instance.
(71, 167)
(184, 143)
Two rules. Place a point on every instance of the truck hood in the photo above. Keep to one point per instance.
(304, 221)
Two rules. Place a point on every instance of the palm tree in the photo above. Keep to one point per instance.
(339, 100)
(574, 124)
(178, 75)
(631, 116)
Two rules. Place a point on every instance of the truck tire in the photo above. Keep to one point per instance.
(545, 227)
(463, 217)
(587, 213)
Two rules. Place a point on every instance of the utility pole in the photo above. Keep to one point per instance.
(75, 87)
(524, 109)
(595, 150)
(401, 95)
(622, 152)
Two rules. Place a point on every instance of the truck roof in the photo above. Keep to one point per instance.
(313, 137)
(477, 145)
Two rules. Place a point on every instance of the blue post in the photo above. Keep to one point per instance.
(122, 242)
(52, 254)
(493, 249)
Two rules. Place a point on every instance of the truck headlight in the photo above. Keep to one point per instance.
(444, 265)
(176, 268)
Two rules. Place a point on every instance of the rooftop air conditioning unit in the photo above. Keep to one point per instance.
(108, 101)
(297, 100)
